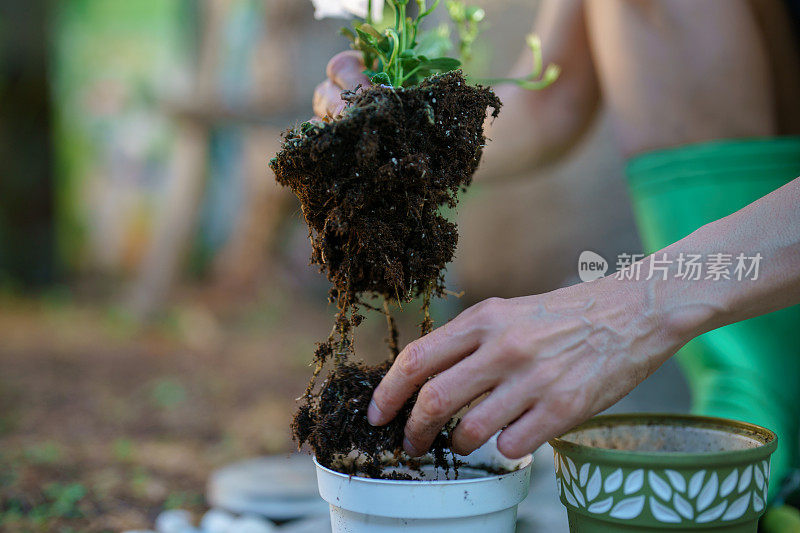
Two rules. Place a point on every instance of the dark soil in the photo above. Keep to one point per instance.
(371, 184)
(335, 424)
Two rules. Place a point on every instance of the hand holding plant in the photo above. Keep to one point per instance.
(403, 53)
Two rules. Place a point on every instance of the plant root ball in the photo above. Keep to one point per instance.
(371, 183)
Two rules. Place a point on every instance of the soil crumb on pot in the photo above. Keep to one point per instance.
(371, 185)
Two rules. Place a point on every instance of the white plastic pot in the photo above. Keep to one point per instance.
(475, 502)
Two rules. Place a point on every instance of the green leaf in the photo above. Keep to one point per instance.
(410, 63)
(381, 78)
(367, 38)
(370, 29)
(443, 64)
(368, 43)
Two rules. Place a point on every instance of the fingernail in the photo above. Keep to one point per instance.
(409, 448)
(374, 414)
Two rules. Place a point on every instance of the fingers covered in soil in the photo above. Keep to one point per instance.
(335, 424)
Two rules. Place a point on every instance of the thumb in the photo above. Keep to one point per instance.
(346, 70)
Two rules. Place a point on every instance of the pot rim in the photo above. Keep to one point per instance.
(525, 462)
(767, 438)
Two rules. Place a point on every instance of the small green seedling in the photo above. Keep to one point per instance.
(402, 54)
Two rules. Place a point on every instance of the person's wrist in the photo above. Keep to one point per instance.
(683, 309)
(667, 316)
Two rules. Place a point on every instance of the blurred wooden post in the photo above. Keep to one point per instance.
(176, 219)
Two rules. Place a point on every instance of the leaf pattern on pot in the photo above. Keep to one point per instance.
(670, 497)
(708, 493)
(564, 469)
(678, 483)
(758, 503)
(727, 486)
(737, 508)
(628, 508)
(634, 482)
(683, 507)
(601, 506)
(659, 486)
(576, 491)
(712, 514)
(759, 477)
(747, 475)
(696, 482)
(593, 488)
(583, 476)
(662, 513)
(568, 495)
(613, 481)
(572, 470)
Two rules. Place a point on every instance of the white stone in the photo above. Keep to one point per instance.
(216, 521)
(173, 521)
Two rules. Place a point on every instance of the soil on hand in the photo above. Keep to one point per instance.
(337, 424)
(371, 185)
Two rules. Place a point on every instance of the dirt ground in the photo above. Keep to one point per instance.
(103, 424)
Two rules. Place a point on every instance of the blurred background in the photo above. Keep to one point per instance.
(157, 314)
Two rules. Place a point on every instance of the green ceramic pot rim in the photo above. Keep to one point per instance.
(768, 439)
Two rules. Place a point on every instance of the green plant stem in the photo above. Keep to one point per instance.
(410, 73)
(401, 20)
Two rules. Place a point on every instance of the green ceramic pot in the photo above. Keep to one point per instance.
(654, 472)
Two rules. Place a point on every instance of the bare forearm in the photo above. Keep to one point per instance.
(551, 361)
(768, 228)
(537, 127)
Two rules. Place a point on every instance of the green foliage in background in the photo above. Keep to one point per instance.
(109, 60)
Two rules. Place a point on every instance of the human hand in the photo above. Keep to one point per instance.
(548, 362)
(345, 72)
